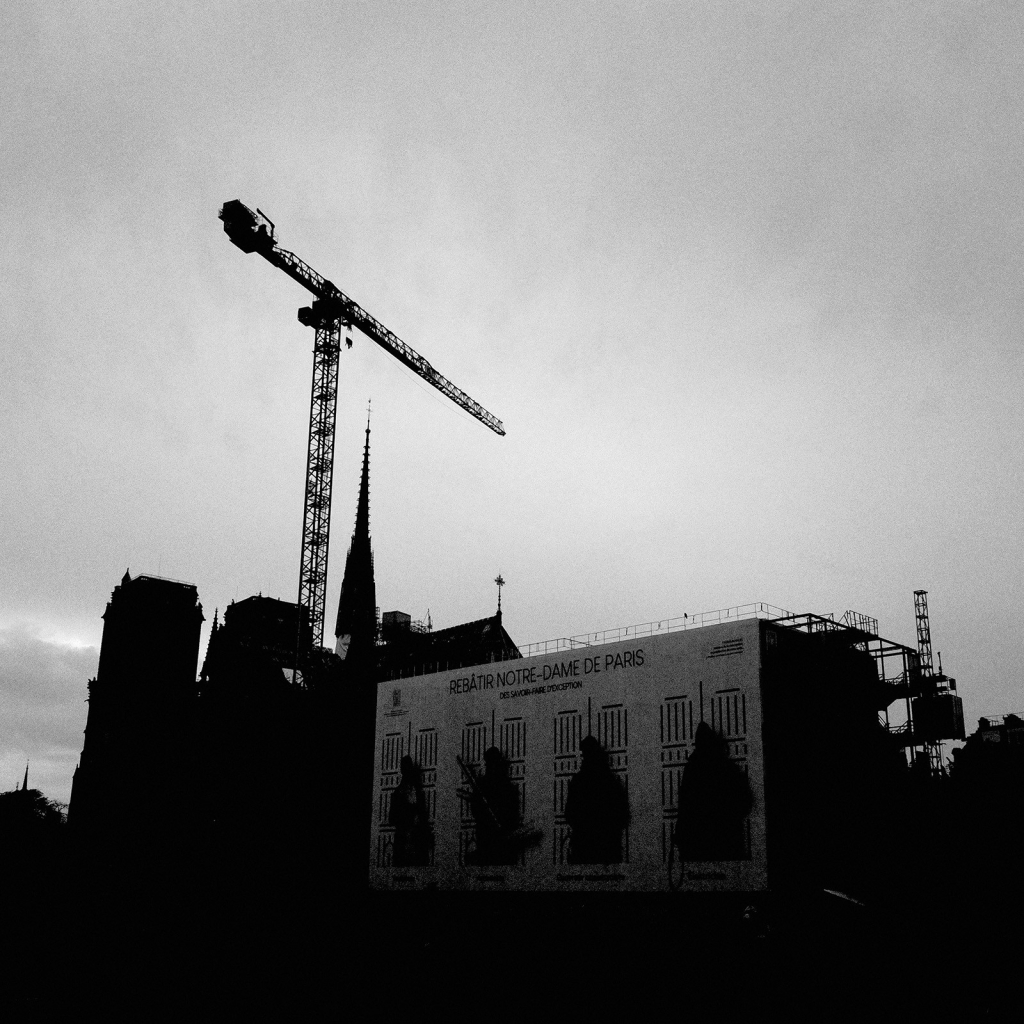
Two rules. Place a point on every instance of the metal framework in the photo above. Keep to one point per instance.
(316, 513)
(924, 632)
(932, 748)
(332, 309)
(906, 674)
(254, 232)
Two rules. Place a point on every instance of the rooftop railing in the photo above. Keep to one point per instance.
(757, 610)
(995, 721)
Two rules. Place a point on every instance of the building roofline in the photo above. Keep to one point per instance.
(850, 623)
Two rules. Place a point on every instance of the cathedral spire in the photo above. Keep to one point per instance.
(363, 507)
(357, 609)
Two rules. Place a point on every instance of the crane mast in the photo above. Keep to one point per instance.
(331, 312)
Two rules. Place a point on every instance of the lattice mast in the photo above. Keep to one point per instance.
(331, 310)
(933, 750)
(924, 633)
(316, 511)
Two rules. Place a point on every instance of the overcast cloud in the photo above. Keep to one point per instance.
(43, 700)
(744, 281)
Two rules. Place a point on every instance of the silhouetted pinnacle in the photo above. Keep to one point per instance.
(363, 507)
(357, 609)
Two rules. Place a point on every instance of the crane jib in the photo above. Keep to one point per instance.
(254, 232)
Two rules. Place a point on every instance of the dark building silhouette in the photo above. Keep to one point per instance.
(265, 737)
(270, 765)
(1007, 730)
(831, 769)
(256, 642)
(407, 648)
(993, 757)
(138, 760)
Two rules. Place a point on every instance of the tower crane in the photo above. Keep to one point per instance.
(331, 311)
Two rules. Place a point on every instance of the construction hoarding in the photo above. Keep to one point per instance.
(546, 819)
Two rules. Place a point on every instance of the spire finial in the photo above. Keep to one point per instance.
(501, 583)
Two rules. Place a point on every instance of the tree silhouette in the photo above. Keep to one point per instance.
(28, 811)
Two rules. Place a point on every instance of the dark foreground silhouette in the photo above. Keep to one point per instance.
(265, 915)
(714, 801)
(495, 807)
(596, 809)
(409, 816)
(203, 926)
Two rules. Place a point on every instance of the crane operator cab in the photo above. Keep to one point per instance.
(251, 232)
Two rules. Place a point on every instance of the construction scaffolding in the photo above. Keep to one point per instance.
(929, 715)
(932, 710)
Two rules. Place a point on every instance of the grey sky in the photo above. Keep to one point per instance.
(743, 281)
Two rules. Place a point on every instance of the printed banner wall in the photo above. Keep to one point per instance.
(573, 770)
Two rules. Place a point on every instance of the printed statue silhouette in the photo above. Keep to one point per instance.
(714, 801)
(495, 808)
(410, 818)
(596, 809)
